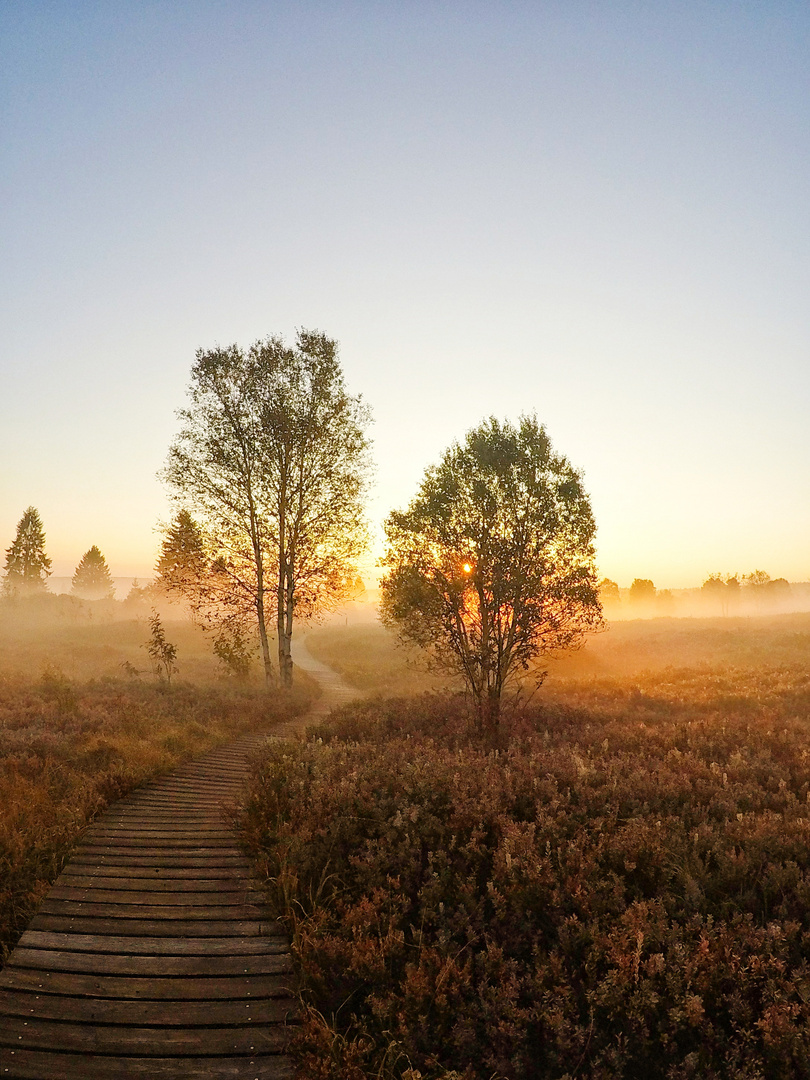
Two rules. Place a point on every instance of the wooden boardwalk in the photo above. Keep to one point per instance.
(153, 955)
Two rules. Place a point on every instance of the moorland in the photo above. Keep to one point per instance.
(621, 888)
(84, 719)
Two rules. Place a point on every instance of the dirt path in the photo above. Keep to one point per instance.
(335, 691)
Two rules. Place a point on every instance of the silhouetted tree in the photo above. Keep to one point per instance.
(273, 461)
(609, 591)
(778, 589)
(183, 563)
(714, 588)
(27, 566)
(138, 595)
(755, 585)
(91, 579)
(642, 591)
(732, 589)
(491, 566)
(188, 571)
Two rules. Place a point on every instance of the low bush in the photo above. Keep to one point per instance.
(622, 890)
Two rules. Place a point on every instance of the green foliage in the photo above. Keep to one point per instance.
(624, 892)
(491, 566)
(27, 566)
(92, 579)
(272, 459)
(234, 651)
(161, 652)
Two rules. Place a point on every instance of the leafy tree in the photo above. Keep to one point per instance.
(714, 588)
(91, 579)
(491, 566)
(186, 570)
(27, 566)
(733, 589)
(778, 589)
(756, 585)
(642, 591)
(608, 591)
(272, 459)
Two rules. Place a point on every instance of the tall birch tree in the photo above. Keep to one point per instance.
(272, 459)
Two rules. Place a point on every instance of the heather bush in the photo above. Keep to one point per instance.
(68, 748)
(621, 890)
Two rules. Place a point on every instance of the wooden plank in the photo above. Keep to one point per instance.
(155, 884)
(190, 862)
(158, 843)
(163, 832)
(40, 1034)
(229, 988)
(154, 954)
(154, 946)
(151, 874)
(213, 928)
(100, 894)
(154, 966)
(188, 804)
(34, 1065)
(148, 1013)
(151, 911)
(152, 852)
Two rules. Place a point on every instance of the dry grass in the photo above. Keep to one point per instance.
(77, 732)
(369, 656)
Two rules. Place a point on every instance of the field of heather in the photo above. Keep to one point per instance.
(79, 729)
(622, 889)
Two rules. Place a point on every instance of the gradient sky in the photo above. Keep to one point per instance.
(598, 211)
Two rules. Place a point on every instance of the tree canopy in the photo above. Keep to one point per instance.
(27, 567)
(492, 565)
(91, 579)
(272, 462)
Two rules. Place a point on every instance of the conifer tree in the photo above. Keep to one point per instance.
(92, 579)
(27, 566)
(183, 564)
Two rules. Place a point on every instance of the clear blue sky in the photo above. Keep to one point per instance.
(596, 211)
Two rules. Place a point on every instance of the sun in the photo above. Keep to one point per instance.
(467, 567)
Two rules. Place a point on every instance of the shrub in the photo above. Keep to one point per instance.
(624, 891)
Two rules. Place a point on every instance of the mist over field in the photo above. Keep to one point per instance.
(417, 394)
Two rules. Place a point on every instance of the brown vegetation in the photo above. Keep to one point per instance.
(70, 743)
(621, 891)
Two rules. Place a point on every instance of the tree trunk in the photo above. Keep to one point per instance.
(285, 663)
(490, 710)
(285, 625)
(268, 665)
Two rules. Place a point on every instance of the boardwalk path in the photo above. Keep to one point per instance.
(153, 956)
